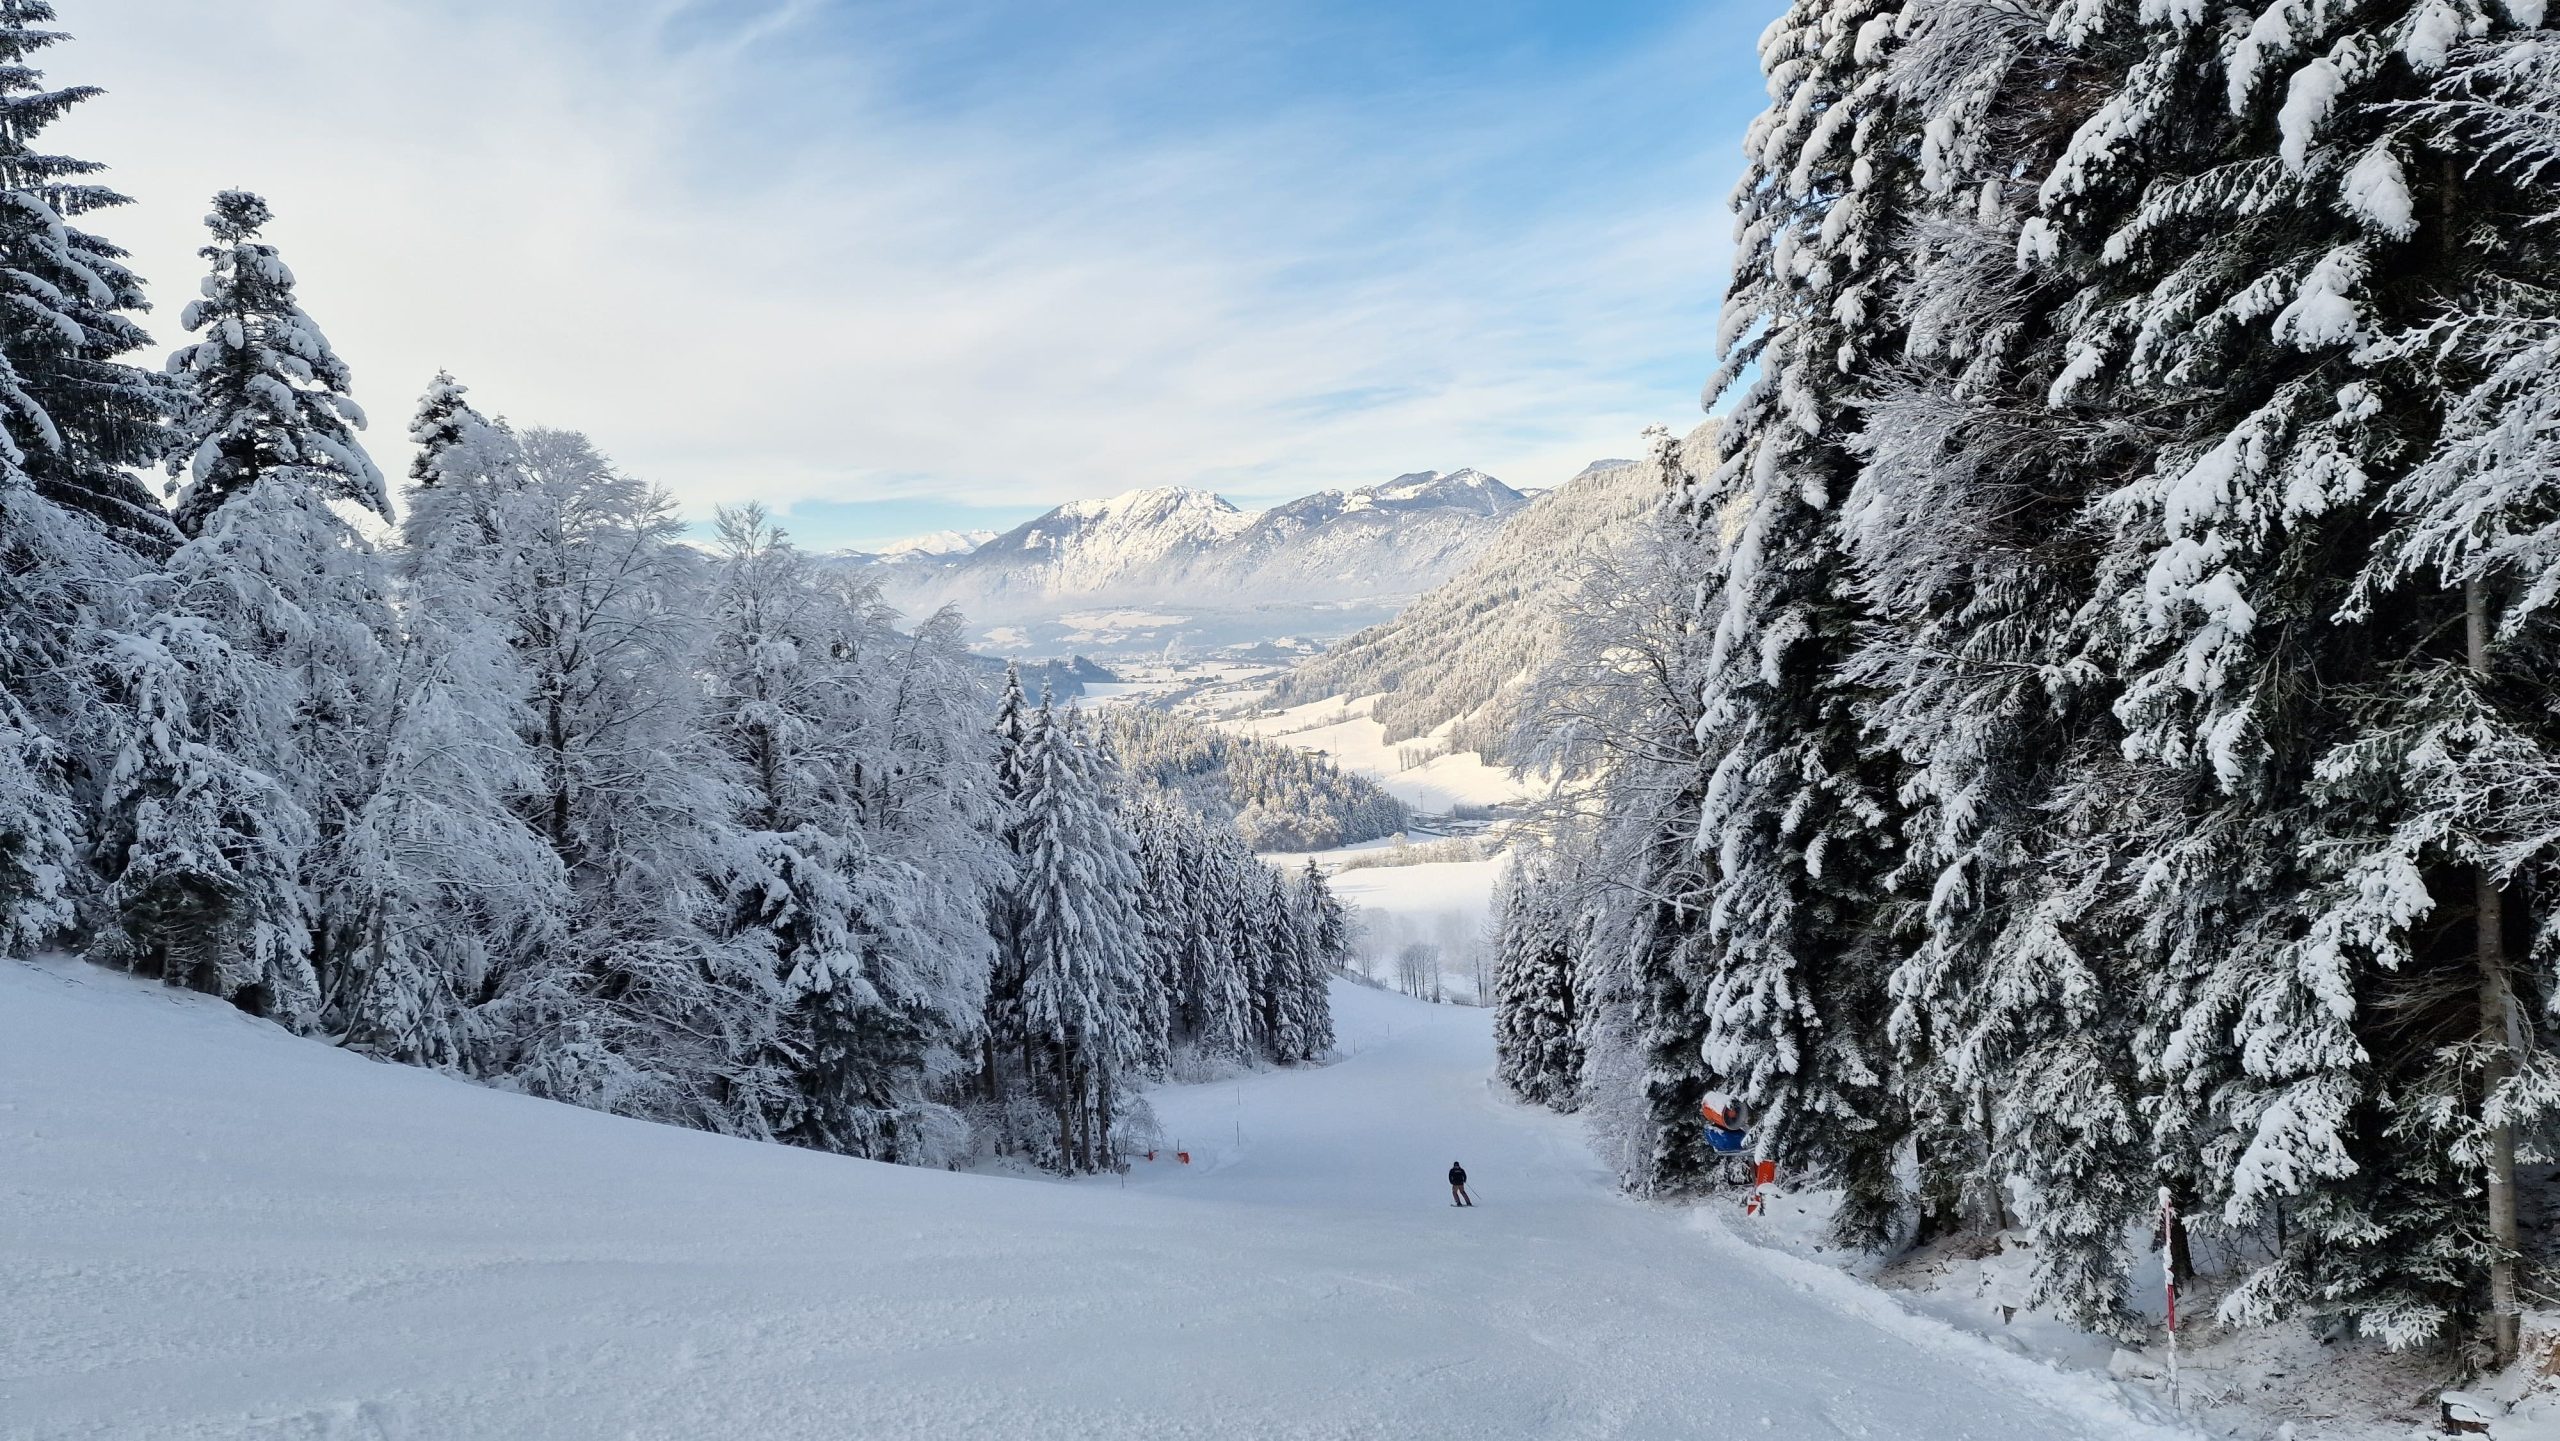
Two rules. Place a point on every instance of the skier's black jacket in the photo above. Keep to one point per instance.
(1457, 1174)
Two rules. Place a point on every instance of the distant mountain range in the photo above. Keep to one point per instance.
(1457, 657)
(1166, 565)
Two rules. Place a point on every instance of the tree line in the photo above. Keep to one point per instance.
(2088, 730)
(533, 789)
(1278, 797)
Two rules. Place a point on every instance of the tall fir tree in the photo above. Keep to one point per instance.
(264, 394)
(2255, 224)
(1537, 1031)
(258, 668)
(1797, 814)
(82, 422)
(1083, 943)
(1969, 527)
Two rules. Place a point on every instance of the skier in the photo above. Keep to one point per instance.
(1458, 1186)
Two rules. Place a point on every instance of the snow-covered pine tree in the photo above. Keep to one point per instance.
(1083, 943)
(82, 422)
(1148, 1039)
(2258, 223)
(1167, 874)
(1969, 528)
(445, 422)
(1797, 816)
(265, 639)
(1326, 920)
(1537, 1036)
(263, 394)
(75, 525)
(1297, 1009)
(1003, 1035)
(50, 565)
(2456, 763)
(205, 850)
(1324, 946)
(1217, 986)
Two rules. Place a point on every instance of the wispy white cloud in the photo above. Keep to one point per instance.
(742, 249)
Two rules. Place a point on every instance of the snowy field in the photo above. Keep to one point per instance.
(217, 1230)
(1342, 729)
(1447, 905)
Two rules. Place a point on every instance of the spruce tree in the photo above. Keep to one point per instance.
(1004, 1035)
(258, 673)
(1082, 940)
(1969, 526)
(1797, 813)
(445, 422)
(1537, 1034)
(80, 420)
(1328, 923)
(2257, 224)
(48, 563)
(264, 395)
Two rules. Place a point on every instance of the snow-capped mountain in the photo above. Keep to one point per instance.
(937, 543)
(929, 552)
(1459, 653)
(1406, 535)
(1129, 547)
(1197, 568)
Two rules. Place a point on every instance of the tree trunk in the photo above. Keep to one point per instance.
(2181, 1257)
(1066, 1114)
(1103, 1160)
(1996, 1192)
(2496, 1033)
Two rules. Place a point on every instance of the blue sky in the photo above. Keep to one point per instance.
(895, 266)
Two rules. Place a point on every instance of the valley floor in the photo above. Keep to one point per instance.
(215, 1230)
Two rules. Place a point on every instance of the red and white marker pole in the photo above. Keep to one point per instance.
(2169, 1280)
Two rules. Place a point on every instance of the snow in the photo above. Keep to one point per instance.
(1434, 888)
(1342, 727)
(2308, 98)
(1447, 905)
(221, 1231)
(2433, 32)
(937, 543)
(1105, 627)
(2325, 310)
(2376, 190)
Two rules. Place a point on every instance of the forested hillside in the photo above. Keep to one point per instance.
(1276, 796)
(1462, 651)
(532, 790)
(2088, 735)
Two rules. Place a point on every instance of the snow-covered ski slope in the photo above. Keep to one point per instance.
(215, 1230)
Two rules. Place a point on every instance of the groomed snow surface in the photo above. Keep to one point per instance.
(217, 1230)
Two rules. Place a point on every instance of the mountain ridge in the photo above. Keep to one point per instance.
(1459, 654)
(1183, 546)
